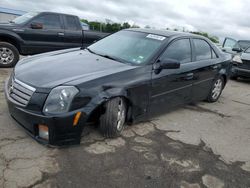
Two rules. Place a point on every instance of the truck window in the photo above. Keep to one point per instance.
(49, 21)
(71, 23)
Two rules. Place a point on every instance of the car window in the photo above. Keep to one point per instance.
(229, 43)
(179, 50)
(247, 50)
(242, 44)
(49, 21)
(71, 23)
(202, 50)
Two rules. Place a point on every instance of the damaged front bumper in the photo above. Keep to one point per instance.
(62, 129)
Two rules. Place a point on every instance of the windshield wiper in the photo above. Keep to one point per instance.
(11, 21)
(90, 50)
(107, 56)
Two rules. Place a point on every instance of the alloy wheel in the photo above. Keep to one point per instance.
(6, 56)
(218, 85)
(120, 115)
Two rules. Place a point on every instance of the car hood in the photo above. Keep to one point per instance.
(6, 25)
(53, 69)
(245, 56)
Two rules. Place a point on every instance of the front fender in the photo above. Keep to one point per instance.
(11, 35)
(104, 96)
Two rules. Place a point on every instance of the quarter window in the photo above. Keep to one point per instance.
(49, 21)
(179, 50)
(202, 49)
(214, 54)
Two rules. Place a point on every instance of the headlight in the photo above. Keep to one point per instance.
(237, 59)
(59, 100)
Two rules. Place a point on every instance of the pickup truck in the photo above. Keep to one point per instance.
(38, 32)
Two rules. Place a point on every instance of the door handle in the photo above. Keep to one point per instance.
(215, 67)
(189, 76)
(60, 34)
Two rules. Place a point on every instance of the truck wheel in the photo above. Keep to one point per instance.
(216, 90)
(9, 55)
(113, 120)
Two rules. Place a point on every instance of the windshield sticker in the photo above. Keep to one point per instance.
(156, 37)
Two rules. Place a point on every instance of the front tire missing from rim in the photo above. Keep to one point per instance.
(113, 120)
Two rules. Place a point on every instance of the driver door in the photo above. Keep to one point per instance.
(172, 87)
(48, 38)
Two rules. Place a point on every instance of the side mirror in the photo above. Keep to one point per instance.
(237, 49)
(36, 25)
(169, 64)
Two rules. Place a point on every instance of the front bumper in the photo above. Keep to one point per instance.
(61, 129)
(236, 71)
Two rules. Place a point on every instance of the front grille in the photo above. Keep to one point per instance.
(20, 92)
(245, 64)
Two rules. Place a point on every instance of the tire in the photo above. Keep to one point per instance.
(216, 90)
(113, 120)
(9, 55)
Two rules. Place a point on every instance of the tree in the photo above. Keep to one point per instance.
(214, 39)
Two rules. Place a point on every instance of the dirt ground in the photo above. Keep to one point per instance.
(199, 145)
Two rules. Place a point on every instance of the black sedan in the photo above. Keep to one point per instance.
(127, 77)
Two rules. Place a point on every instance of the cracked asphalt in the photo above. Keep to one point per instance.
(199, 145)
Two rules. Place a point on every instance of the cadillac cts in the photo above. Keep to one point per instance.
(127, 77)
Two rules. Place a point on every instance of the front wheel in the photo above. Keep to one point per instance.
(216, 90)
(113, 120)
(9, 55)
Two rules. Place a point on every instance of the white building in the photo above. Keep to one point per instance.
(9, 14)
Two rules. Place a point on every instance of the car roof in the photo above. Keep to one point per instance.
(48, 12)
(243, 40)
(166, 33)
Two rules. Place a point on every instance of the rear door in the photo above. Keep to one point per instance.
(172, 87)
(207, 68)
(47, 38)
(73, 35)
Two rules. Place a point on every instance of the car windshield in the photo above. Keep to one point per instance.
(24, 18)
(128, 46)
(242, 44)
(247, 50)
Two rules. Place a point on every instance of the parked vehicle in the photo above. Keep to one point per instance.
(129, 76)
(241, 56)
(36, 32)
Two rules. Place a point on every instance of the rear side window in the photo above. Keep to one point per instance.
(49, 21)
(179, 50)
(202, 50)
(72, 23)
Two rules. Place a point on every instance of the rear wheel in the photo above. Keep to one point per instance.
(113, 120)
(216, 90)
(9, 55)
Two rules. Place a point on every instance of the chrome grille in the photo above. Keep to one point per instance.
(20, 92)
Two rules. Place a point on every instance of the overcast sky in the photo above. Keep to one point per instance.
(221, 17)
